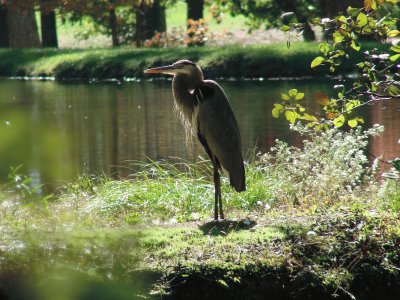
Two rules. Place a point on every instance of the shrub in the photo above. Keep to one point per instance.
(330, 165)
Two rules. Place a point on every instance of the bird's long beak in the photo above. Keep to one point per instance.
(170, 70)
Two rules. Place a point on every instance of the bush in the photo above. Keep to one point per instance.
(330, 165)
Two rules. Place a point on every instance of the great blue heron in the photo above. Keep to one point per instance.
(206, 113)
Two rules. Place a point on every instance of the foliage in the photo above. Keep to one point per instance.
(377, 70)
(378, 76)
(195, 35)
(335, 113)
(24, 186)
(267, 12)
(101, 13)
(331, 165)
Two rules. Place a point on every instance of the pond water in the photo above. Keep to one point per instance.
(58, 130)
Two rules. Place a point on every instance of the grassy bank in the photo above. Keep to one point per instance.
(302, 230)
(229, 61)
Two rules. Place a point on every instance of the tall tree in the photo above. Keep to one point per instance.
(4, 42)
(48, 24)
(21, 22)
(112, 19)
(115, 18)
(149, 20)
(331, 8)
(195, 9)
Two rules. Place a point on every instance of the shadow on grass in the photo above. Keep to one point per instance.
(224, 227)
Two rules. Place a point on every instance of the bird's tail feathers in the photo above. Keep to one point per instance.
(239, 181)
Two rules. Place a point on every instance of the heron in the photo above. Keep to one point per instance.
(205, 113)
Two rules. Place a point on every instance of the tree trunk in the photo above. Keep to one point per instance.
(149, 19)
(195, 9)
(49, 28)
(22, 26)
(113, 26)
(3, 26)
(308, 32)
(332, 8)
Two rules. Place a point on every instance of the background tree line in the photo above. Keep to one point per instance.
(134, 21)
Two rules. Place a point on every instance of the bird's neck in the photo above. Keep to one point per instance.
(184, 98)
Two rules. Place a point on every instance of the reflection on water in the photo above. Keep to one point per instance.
(59, 130)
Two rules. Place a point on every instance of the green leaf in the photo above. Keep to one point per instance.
(290, 116)
(349, 106)
(395, 48)
(367, 30)
(324, 48)
(299, 96)
(342, 19)
(338, 37)
(353, 12)
(352, 123)
(395, 57)
(396, 163)
(317, 61)
(360, 119)
(355, 45)
(285, 97)
(276, 112)
(393, 33)
(310, 118)
(362, 19)
(339, 121)
(292, 93)
(393, 90)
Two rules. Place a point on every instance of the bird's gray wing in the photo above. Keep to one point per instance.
(218, 132)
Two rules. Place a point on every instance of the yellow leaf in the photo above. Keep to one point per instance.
(393, 33)
(323, 99)
(330, 115)
(369, 4)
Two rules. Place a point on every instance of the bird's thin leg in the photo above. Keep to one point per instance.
(217, 185)
(221, 212)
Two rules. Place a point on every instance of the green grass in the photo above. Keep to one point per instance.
(176, 17)
(314, 229)
(229, 61)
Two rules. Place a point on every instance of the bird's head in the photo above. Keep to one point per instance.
(182, 68)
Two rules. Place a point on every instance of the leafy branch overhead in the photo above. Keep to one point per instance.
(378, 69)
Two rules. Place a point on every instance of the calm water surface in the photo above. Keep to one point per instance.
(59, 130)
